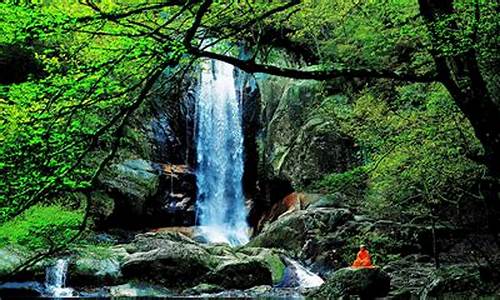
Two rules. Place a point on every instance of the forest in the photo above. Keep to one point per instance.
(249, 149)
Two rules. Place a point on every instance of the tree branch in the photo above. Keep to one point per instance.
(253, 67)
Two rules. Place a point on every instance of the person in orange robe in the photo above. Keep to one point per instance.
(363, 259)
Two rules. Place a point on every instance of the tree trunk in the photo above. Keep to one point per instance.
(461, 75)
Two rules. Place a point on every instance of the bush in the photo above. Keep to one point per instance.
(352, 183)
(41, 227)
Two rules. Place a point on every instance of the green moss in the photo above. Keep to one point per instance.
(276, 266)
(40, 227)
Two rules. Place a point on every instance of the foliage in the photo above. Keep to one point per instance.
(50, 126)
(414, 143)
(91, 60)
(352, 183)
(41, 227)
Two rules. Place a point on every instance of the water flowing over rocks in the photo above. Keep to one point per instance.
(220, 202)
(166, 263)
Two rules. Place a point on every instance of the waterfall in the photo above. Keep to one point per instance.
(298, 276)
(220, 205)
(55, 279)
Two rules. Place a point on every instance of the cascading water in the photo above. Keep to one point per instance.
(220, 208)
(298, 276)
(55, 279)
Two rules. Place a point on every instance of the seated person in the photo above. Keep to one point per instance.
(363, 259)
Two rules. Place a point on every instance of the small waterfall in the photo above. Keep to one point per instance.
(221, 211)
(55, 279)
(298, 276)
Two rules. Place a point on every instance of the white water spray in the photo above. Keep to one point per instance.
(221, 211)
(55, 280)
(299, 276)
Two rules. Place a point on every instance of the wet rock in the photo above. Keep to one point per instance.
(367, 283)
(297, 276)
(259, 290)
(169, 259)
(203, 288)
(174, 203)
(30, 289)
(241, 274)
(271, 258)
(12, 257)
(96, 267)
(138, 290)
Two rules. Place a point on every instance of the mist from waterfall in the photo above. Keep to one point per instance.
(220, 206)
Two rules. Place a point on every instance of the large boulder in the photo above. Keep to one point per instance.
(96, 266)
(270, 258)
(9, 260)
(169, 259)
(12, 257)
(291, 232)
(241, 274)
(131, 183)
(367, 283)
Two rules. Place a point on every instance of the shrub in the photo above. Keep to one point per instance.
(351, 183)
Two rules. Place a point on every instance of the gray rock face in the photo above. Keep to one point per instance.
(135, 180)
(365, 283)
(12, 257)
(130, 183)
(9, 259)
(300, 144)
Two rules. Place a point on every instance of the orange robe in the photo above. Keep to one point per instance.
(363, 260)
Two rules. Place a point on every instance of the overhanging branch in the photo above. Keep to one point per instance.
(251, 66)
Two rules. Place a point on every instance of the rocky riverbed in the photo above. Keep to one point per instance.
(168, 263)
